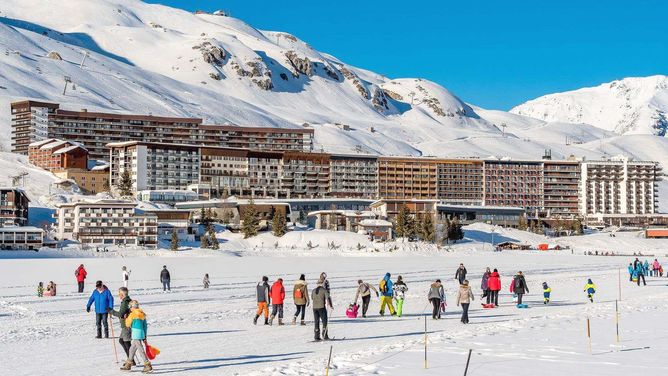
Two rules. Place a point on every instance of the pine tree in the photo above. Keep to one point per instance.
(456, 232)
(204, 241)
(202, 216)
(213, 241)
(250, 221)
(278, 223)
(427, 228)
(175, 241)
(105, 186)
(124, 185)
(522, 223)
(402, 222)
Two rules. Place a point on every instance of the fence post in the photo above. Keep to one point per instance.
(617, 319)
(329, 360)
(425, 341)
(589, 334)
(468, 360)
(619, 279)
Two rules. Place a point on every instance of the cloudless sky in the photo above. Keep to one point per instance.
(491, 53)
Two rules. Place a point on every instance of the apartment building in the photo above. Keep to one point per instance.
(225, 171)
(107, 222)
(353, 176)
(619, 186)
(306, 174)
(35, 121)
(257, 138)
(514, 183)
(460, 181)
(21, 238)
(93, 181)
(53, 155)
(154, 166)
(13, 207)
(407, 178)
(265, 174)
(561, 189)
(390, 208)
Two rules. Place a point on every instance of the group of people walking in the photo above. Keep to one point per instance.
(639, 270)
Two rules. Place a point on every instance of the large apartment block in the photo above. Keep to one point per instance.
(105, 222)
(407, 178)
(353, 176)
(619, 186)
(460, 182)
(561, 185)
(514, 183)
(13, 207)
(54, 155)
(36, 121)
(306, 174)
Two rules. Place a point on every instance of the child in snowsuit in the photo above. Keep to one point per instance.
(590, 289)
(205, 281)
(136, 321)
(546, 293)
(400, 289)
(40, 290)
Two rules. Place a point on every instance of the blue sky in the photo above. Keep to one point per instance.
(494, 54)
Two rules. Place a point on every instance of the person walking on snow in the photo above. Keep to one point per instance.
(81, 274)
(300, 297)
(645, 268)
(277, 296)
(386, 289)
(165, 279)
(436, 296)
(125, 338)
(400, 289)
(103, 300)
(136, 321)
(520, 286)
(640, 273)
(631, 271)
(364, 290)
(547, 290)
(494, 285)
(465, 297)
(206, 281)
(319, 299)
(484, 285)
(263, 297)
(655, 267)
(590, 289)
(125, 276)
(460, 274)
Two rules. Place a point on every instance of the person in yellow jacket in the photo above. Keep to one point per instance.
(136, 321)
(590, 289)
(547, 290)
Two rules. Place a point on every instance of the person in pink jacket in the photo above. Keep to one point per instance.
(655, 267)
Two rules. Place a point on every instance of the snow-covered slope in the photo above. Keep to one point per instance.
(636, 105)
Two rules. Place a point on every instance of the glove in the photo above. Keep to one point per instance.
(88, 309)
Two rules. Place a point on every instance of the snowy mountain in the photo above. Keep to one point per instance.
(636, 105)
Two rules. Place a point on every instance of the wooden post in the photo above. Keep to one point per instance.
(619, 278)
(467, 362)
(617, 319)
(425, 342)
(589, 334)
(113, 337)
(329, 360)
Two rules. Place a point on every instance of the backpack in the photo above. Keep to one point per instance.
(383, 286)
(299, 294)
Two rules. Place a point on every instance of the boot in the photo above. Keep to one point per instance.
(294, 320)
(326, 336)
(271, 320)
(255, 319)
(148, 368)
(303, 323)
(266, 321)
(99, 333)
(317, 335)
(280, 322)
(127, 366)
(106, 333)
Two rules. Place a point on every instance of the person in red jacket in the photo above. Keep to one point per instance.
(277, 293)
(494, 285)
(81, 274)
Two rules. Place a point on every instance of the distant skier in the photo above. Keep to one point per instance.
(300, 297)
(263, 297)
(125, 338)
(464, 298)
(484, 285)
(400, 289)
(520, 286)
(205, 281)
(81, 274)
(165, 279)
(136, 321)
(277, 296)
(364, 290)
(460, 274)
(590, 289)
(436, 296)
(387, 292)
(103, 300)
(494, 284)
(319, 299)
(547, 290)
(125, 276)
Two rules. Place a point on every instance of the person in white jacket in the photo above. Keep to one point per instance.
(126, 276)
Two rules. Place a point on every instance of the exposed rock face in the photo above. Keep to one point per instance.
(300, 65)
(393, 95)
(379, 100)
(349, 75)
(287, 36)
(257, 71)
(331, 73)
(435, 105)
(54, 55)
(215, 76)
(211, 54)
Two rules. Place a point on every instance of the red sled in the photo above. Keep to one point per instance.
(488, 306)
(151, 352)
(351, 312)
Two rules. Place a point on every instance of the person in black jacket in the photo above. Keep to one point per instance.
(520, 286)
(165, 278)
(123, 311)
(461, 274)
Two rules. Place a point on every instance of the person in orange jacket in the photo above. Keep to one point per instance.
(277, 296)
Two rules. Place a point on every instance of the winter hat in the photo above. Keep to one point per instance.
(387, 275)
(496, 270)
(399, 278)
(98, 284)
(265, 278)
(124, 268)
(134, 304)
(302, 277)
(359, 281)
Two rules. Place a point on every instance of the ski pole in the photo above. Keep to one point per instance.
(329, 360)
(468, 361)
(111, 323)
(425, 341)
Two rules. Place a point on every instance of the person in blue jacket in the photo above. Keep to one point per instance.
(645, 268)
(631, 270)
(641, 273)
(387, 292)
(103, 300)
